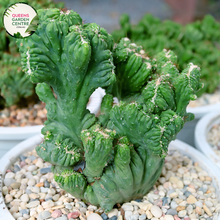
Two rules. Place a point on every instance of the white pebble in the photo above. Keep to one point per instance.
(24, 198)
(8, 198)
(35, 189)
(31, 182)
(32, 168)
(127, 207)
(128, 214)
(44, 190)
(9, 181)
(182, 213)
(47, 204)
(51, 191)
(32, 204)
(9, 175)
(112, 213)
(168, 217)
(156, 211)
(94, 216)
(40, 164)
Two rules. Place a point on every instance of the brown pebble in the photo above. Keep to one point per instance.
(35, 161)
(191, 199)
(118, 205)
(62, 192)
(20, 117)
(39, 185)
(180, 208)
(58, 207)
(208, 178)
(207, 210)
(122, 213)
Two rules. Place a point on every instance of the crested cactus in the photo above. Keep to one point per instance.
(14, 85)
(197, 42)
(122, 151)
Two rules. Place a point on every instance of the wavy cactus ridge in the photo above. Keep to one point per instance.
(117, 156)
(196, 42)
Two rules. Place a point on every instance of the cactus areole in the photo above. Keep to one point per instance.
(119, 155)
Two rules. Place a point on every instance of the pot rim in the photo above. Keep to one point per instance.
(200, 111)
(30, 143)
(21, 133)
(201, 130)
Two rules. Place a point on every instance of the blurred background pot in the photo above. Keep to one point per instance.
(10, 136)
(187, 134)
(202, 128)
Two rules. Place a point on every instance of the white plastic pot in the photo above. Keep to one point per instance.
(202, 128)
(187, 134)
(30, 143)
(5, 162)
(10, 136)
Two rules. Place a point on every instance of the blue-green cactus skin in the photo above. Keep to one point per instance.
(124, 148)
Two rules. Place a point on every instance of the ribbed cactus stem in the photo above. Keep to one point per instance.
(119, 155)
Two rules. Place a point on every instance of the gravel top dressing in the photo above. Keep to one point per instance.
(183, 191)
(34, 114)
(213, 138)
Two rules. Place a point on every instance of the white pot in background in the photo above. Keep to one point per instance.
(187, 133)
(10, 136)
(30, 143)
(202, 128)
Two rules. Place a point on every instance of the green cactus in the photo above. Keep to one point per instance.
(14, 86)
(124, 148)
(197, 42)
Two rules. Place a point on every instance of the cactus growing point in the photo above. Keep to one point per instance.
(124, 148)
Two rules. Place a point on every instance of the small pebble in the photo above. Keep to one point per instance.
(56, 213)
(73, 214)
(104, 216)
(115, 218)
(43, 215)
(45, 170)
(184, 193)
(182, 213)
(94, 216)
(9, 181)
(168, 217)
(113, 212)
(156, 211)
(171, 212)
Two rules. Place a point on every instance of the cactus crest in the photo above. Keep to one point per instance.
(122, 150)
